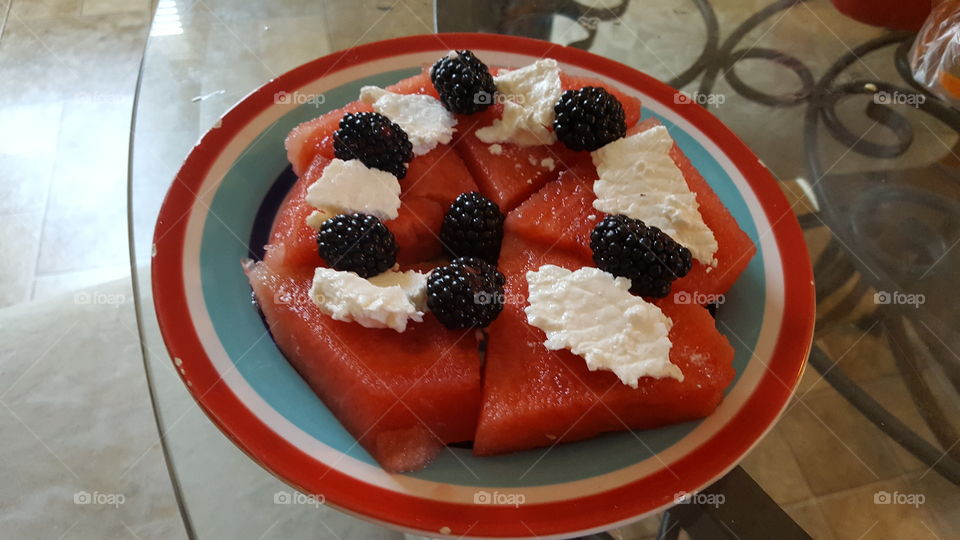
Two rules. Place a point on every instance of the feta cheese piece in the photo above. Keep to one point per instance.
(388, 300)
(350, 186)
(530, 94)
(638, 178)
(424, 119)
(413, 283)
(548, 163)
(592, 313)
(495, 149)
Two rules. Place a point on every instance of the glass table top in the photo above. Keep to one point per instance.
(869, 164)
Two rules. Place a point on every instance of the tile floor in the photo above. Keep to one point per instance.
(69, 69)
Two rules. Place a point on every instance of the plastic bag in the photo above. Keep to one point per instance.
(935, 56)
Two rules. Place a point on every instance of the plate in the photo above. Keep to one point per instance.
(221, 205)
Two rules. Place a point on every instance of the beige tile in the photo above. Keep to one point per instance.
(110, 7)
(56, 58)
(942, 501)
(772, 464)
(85, 224)
(47, 286)
(863, 356)
(376, 20)
(808, 515)
(36, 9)
(28, 144)
(284, 43)
(893, 394)
(21, 240)
(869, 512)
(835, 446)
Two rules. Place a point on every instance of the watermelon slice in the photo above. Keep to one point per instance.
(511, 176)
(557, 215)
(314, 137)
(401, 395)
(433, 181)
(734, 247)
(417, 84)
(293, 244)
(534, 397)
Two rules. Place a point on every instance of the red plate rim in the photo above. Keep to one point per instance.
(602, 510)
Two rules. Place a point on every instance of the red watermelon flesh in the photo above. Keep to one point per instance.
(314, 137)
(433, 181)
(534, 397)
(293, 244)
(402, 395)
(734, 247)
(558, 216)
(417, 84)
(556, 209)
(512, 176)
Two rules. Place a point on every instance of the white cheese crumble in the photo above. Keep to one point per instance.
(638, 178)
(530, 94)
(424, 119)
(548, 163)
(495, 149)
(388, 300)
(350, 186)
(593, 314)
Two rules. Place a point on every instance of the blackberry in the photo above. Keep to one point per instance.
(467, 293)
(357, 243)
(588, 118)
(374, 140)
(487, 270)
(463, 82)
(644, 254)
(473, 227)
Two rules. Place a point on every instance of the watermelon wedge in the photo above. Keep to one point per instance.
(557, 215)
(402, 396)
(417, 84)
(734, 247)
(314, 137)
(515, 172)
(433, 181)
(293, 244)
(534, 397)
